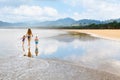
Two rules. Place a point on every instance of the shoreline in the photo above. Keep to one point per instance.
(106, 34)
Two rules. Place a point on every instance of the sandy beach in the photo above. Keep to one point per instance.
(106, 33)
(15, 66)
(23, 68)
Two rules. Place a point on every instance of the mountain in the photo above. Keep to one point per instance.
(84, 22)
(57, 23)
(112, 20)
(5, 23)
(66, 22)
(14, 25)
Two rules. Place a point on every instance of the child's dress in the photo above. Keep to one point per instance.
(36, 41)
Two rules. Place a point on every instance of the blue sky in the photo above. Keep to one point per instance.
(42, 10)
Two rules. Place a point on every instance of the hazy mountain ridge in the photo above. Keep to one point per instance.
(57, 23)
(112, 20)
(4, 23)
(88, 22)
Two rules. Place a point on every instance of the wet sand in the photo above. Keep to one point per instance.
(106, 33)
(23, 68)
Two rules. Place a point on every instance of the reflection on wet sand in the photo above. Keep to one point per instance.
(74, 35)
(29, 53)
(36, 51)
(23, 48)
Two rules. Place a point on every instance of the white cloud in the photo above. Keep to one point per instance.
(95, 9)
(25, 12)
(28, 11)
(22, 10)
(35, 11)
(77, 15)
(50, 11)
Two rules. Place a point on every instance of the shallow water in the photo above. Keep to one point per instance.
(75, 47)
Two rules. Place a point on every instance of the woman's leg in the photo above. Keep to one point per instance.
(29, 42)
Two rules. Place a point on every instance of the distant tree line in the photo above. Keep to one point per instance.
(111, 25)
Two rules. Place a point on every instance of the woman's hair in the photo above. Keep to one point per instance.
(29, 32)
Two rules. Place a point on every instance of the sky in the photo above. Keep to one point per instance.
(47, 10)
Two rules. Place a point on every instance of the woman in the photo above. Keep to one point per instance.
(29, 35)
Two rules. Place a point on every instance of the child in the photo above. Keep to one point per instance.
(23, 40)
(36, 41)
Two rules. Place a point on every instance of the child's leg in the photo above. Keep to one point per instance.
(22, 43)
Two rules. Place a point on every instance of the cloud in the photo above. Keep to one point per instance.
(25, 12)
(13, 3)
(95, 9)
(35, 11)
